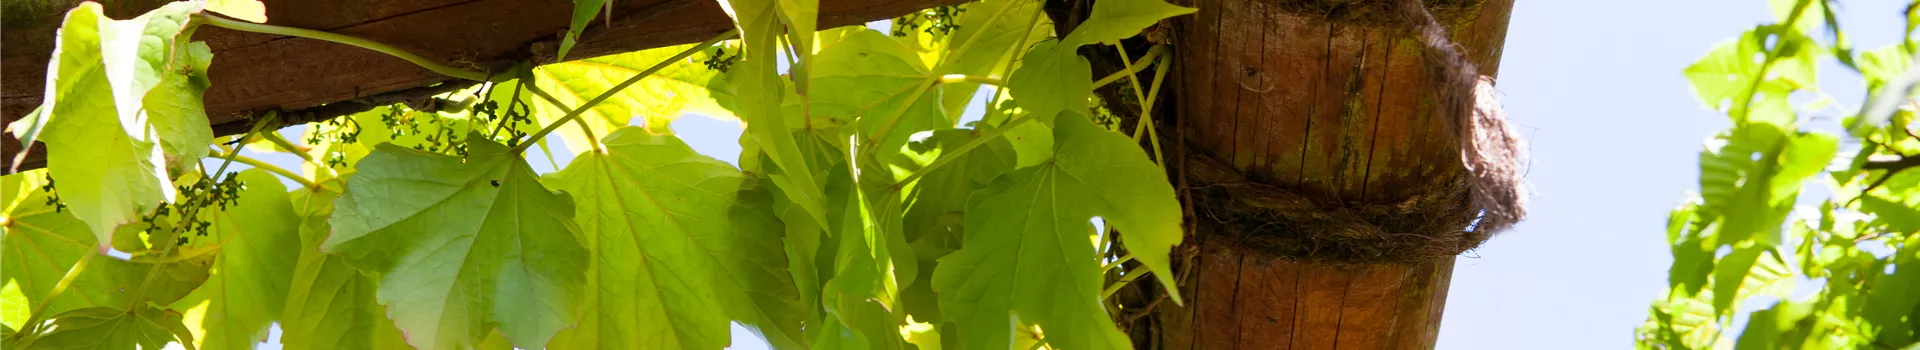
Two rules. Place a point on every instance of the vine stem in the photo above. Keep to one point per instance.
(140, 293)
(939, 75)
(1145, 124)
(283, 142)
(1132, 274)
(1013, 56)
(957, 152)
(269, 167)
(1140, 64)
(963, 78)
(39, 311)
(584, 128)
(622, 86)
(423, 62)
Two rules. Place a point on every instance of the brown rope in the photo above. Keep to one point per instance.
(1491, 150)
(1452, 216)
(1276, 221)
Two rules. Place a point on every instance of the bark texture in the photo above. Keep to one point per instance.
(1336, 108)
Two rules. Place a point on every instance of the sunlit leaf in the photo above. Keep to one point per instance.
(258, 242)
(1113, 20)
(1026, 249)
(112, 328)
(246, 10)
(509, 245)
(676, 238)
(683, 86)
(330, 305)
(1051, 79)
(98, 137)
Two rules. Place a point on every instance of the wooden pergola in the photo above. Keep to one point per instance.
(1332, 108)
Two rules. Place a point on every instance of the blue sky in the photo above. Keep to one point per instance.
(1615, 134)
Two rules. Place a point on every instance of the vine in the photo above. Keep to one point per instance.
(1744, 238)
(861, 211)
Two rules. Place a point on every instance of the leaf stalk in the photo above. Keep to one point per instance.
(423, 62)
(621, 86)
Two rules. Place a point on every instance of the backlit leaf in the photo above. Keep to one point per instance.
(258, 242)
(331, 305)
(1027, 249)
(676, 237)
(1113, 20)
(462, 245)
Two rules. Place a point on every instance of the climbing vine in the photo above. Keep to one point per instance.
(863, 212)
(1839, 271)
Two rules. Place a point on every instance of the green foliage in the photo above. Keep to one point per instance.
(509, 244)
(1746, 239)
(862, 216)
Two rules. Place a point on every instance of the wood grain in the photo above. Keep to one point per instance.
(1338, 111)
(257, 72)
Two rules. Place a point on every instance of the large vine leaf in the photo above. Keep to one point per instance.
(258, 242)
(868, 76)
(1120, 19)
(759, 92)
(675, 236)
(330, 305)
(682, 86)
(1027, 247)
(112, 328)
(41, 243)
(1051, 79)
(993, 27)
(1750, 179)
(583, 13)
(462, 245)
(98, 132)
(935, 204)
(1729, 79)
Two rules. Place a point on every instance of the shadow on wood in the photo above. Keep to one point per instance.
(258, 72)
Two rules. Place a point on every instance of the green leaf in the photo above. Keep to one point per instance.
(1113, 20)
(1749, 178)
(247, 10)
(1028, 250)
(41, 245)
(993, 27)
(759, 93)
(935, 202)
(462, 244)
(583, 13)
(681, 87)
(1730, 273)
(176, 106)
(675, 236)
(1729, 77)
(331, 305)
(1898, 216)
(867, 77)
(112, 328)
(258, 242)
(1766, 327)
(1052, 79)
(96, 135)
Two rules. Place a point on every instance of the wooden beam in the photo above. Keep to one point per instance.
(1337, 110)
(254, 73)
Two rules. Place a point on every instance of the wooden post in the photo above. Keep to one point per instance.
(1339, 110)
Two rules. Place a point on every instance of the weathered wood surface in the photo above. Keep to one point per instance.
(257, 72)
(1338, 111)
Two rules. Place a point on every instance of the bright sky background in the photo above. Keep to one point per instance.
(1615, 133)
